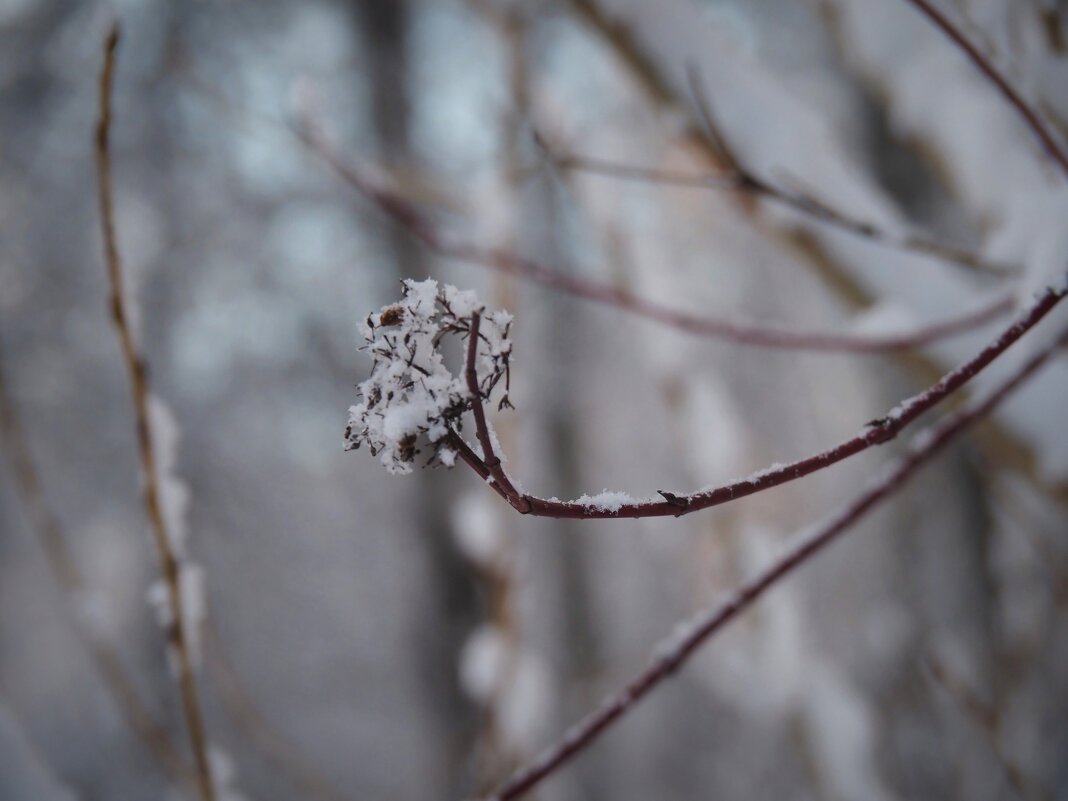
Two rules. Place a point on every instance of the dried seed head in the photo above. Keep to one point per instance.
(411, 394)
(391, 315)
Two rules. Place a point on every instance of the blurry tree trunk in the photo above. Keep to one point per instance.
(451, 603)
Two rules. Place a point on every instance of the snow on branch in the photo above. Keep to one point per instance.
(689, 637)
(412, 394)
(178, 595)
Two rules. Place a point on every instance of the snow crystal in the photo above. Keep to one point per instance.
(194, 606)
(477, 531)
(223, 774)
(482, 662)
(607, 501)
(461, 302)
(173, 492)
(411, 393)
(523, 713)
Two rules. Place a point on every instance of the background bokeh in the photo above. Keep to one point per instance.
(379, 637)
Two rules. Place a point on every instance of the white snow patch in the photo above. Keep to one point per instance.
(607, 501)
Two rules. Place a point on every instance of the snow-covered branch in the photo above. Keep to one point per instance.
(412, 393)
(688, 638)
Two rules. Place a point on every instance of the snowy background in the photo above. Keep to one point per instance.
(395, 637)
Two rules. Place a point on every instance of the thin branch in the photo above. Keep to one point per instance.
(408, 216)
(877, 432)
(107, 661)
(1031, 117)
(987, 719)
(678, 649)
(485, 439)
(62, 565)
(259, 731)
(170, 566)
(744, 180)
(715, 134)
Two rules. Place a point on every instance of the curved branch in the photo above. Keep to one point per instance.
(678, 649)
(741, 179)
(1030, 115)
(410, 217)
(877, 432)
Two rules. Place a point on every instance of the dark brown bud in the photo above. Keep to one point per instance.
(391, 315)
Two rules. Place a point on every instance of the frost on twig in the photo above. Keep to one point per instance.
(412, 396)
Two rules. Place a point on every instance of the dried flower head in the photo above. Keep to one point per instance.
(411, 395)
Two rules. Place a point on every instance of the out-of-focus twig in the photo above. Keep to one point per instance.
(678, 649)
(489, 467)
(170, 566)
(409, 216)
(987, 719)
(1031, 117)
(744, 180)
(64, 569)
(261, 734)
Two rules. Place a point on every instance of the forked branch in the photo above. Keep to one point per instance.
(412, 394)
(677, 650)
(742, 179)
(616, 505)
(406, 214)
(736, 175)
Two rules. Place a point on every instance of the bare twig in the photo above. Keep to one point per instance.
(1031, 117)
(259, 731)
(744, 180)
(61, 563)
(407, 215)
(877, 432)
(170, 567)
(678, 649)
(985, 718)
(485, 439)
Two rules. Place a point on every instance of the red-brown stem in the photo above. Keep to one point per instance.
(744, 180)
(669, 658)
(170, 566)
(875, 433)
(490, 459)
(409, 217)
(1029, 114)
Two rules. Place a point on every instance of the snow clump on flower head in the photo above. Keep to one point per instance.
(411, 394)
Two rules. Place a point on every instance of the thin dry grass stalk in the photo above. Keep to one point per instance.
(170, 566)
(64, 568)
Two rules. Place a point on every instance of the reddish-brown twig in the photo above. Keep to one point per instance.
(412, 219)
(488, 466)
(675, 652)
(742, 179)
(170, 566)
(1030, 115)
